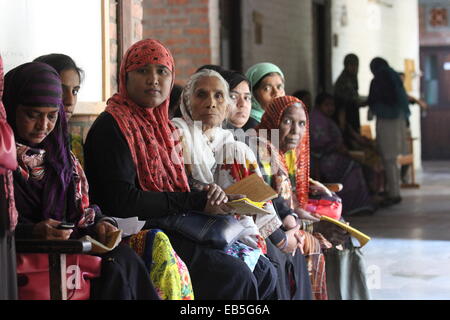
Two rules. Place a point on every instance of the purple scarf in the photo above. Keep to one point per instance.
(38, 84)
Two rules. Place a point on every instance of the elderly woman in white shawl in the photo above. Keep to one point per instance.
(211, 153)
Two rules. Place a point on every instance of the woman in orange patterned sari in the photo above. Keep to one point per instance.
(285, 166)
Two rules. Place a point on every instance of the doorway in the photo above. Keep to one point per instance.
(230, 34)
(435, 65)
(322, 45)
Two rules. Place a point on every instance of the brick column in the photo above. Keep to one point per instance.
(184, 27)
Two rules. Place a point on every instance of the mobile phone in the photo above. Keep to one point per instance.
(65, 225)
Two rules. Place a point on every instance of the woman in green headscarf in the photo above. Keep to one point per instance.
(267, 83)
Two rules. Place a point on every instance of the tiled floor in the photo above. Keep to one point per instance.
(409, 254)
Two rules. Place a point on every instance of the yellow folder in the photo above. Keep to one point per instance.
(362, 238)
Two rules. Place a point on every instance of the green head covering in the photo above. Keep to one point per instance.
(255, 74)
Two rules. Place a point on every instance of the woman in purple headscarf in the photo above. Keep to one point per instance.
(50, 186)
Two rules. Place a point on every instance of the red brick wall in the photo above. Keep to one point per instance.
(183, 26)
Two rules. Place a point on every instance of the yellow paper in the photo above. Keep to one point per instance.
(254, 188)
(112, 241)
(247, 207)
(361, 237)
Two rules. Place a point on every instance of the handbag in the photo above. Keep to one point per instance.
(8, 155)
(346, 274)
(216, 231)
(34, 281)
(325, 205)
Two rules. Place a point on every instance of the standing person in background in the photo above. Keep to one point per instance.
(8, 212)
(71, 77)
(267, 83)
(423, 108)
(347, 99)
(388, 101)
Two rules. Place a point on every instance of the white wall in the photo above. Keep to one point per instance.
(30, 28)
(389, 29)
(287, 39)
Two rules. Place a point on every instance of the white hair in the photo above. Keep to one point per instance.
(188, 91)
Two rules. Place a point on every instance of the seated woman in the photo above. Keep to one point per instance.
(293, 278)
(362, 149)
(334, 161)
(267, 83)
(135, 169)
(71, 76)
(50, 186)
(168, 273)
(211, 155)
(284, 163)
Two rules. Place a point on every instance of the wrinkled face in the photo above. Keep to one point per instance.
(71, 85)
(149, 85)
(34, 124)
(208, 103)
(327, 107)
(270, 87)
(292, 127)
(242, 99)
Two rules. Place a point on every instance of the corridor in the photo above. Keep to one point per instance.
(408, 257)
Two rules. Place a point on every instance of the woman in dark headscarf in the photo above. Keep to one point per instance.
(8, 212)
(136, 170)
(293, 280)
(50, 186)
(71, 77)
(389, 103)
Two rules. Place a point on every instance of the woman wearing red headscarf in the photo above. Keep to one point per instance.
(284, 161)
(135, 170)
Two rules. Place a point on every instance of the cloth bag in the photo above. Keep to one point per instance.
(8, 156)
(324, 205)
(346, 274)
(34, 281)
(216, 231)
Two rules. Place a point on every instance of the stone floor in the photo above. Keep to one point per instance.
(408, 257)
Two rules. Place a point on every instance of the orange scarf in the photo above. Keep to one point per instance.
(272, 120)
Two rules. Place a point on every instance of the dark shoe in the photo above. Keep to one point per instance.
(396, 200)
(390, 201)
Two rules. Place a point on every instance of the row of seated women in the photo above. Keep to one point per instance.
(140, 163)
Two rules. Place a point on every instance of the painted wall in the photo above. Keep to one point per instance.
(286, 39)
(31, 28)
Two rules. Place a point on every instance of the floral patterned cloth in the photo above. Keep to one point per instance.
(248, 254)
(169, 274)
